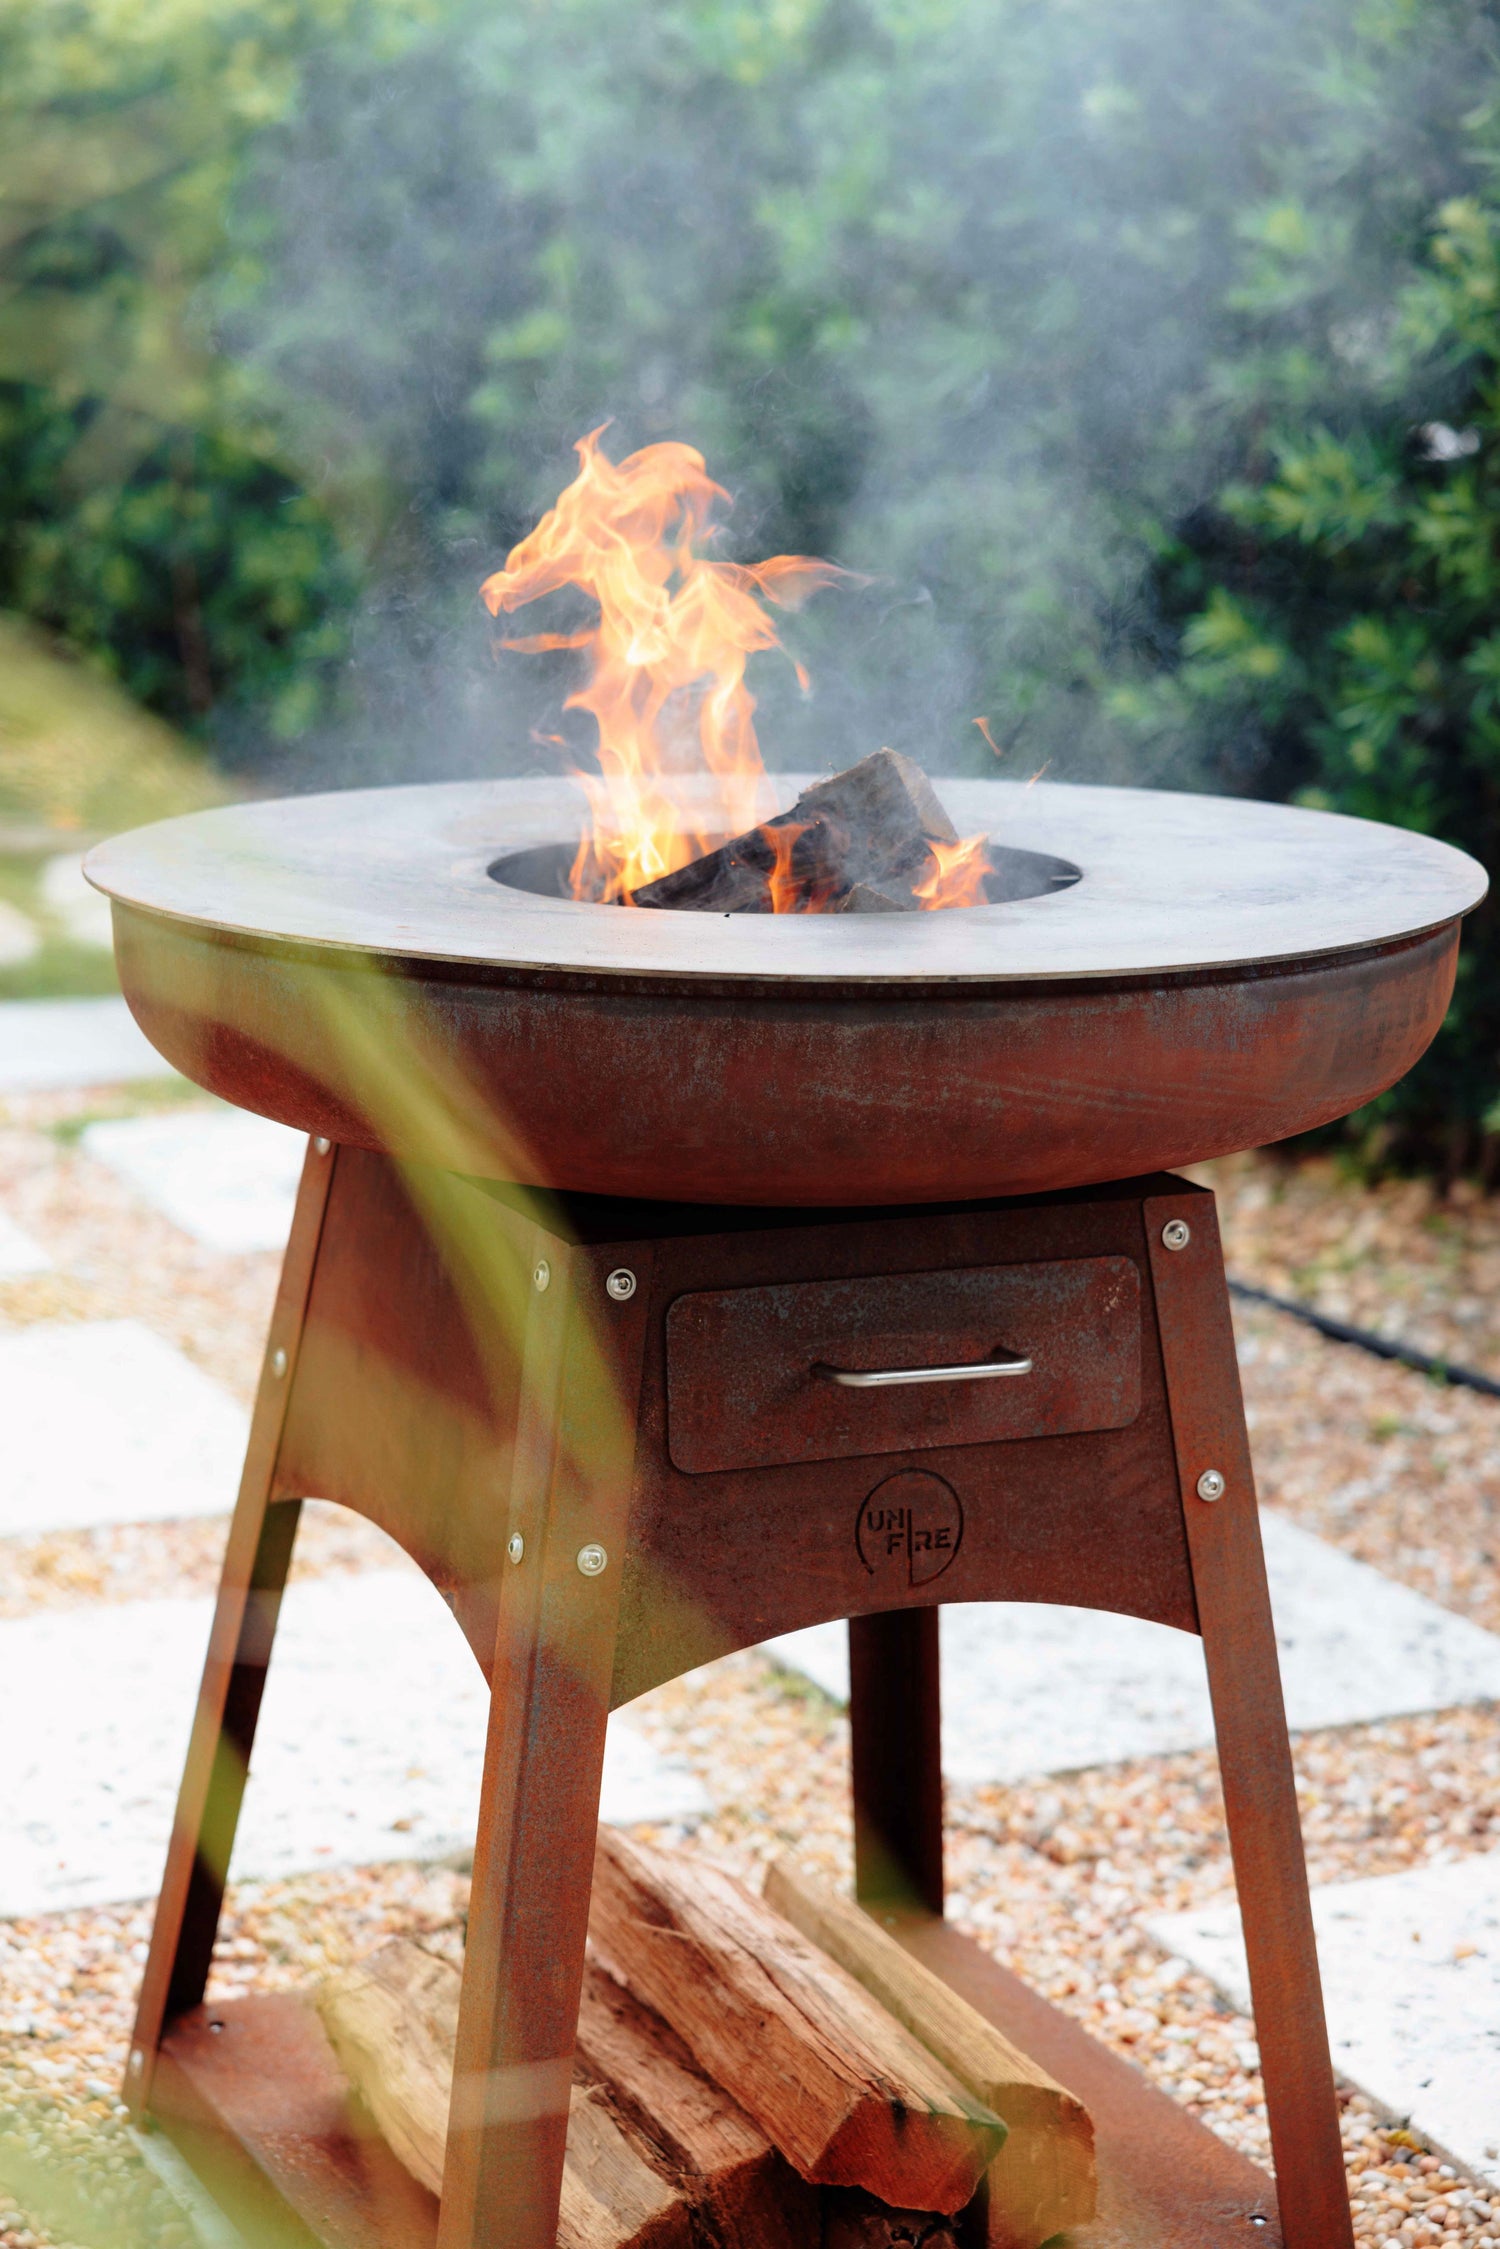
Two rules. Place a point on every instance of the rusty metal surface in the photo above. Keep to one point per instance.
(261, 2110)
(1255, 1764)
(775, 1094)
(742, 1391)
(249, 1601)
(896, 1759)
(1165, 2181)
(434, 1385)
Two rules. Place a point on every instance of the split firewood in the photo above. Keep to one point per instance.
(1043, 2180)
(866, 828)
(745, 2195)
(846, 2093)
(393, 2023)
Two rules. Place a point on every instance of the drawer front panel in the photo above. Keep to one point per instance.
(742, 1393)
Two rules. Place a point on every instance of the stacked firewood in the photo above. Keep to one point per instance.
(751, 2073)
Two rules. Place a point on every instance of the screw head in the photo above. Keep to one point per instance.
(621, 1284)
(592, 1559)
(1176, 1234)
(541, 1274)
(515, 1546)
(321, 1145)
(1210, 1484)
(278, 1363)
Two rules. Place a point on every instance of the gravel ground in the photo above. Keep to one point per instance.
(1051, 1875)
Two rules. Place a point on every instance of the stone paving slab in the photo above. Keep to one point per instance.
(370, 1745)
(18, 1252)
(83, 911)
(49, 1044)
(1035, 1690)
(105, 1422)
(227, 1178)
(1411, 1982)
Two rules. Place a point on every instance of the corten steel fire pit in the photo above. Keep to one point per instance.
(894, 1315)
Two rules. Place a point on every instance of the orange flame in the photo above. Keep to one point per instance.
(785, 890)
(958, 872)
(674, 635)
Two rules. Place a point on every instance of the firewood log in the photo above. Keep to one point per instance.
(840, 2087)
(393, 2023)
(1043, 2180)
(868, 826)
(745, 2195)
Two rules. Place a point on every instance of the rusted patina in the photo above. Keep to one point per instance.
(1223, 975)
(471, 1369)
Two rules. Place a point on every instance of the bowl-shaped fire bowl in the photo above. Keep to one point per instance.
(373, 966)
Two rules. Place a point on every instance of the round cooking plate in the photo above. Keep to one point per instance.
(1169, 883)
(1220, 974)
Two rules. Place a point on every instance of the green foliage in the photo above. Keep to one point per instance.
(143, 511)
(1341, 609)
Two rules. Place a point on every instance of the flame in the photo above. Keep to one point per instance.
(958, 872)
(674, 634)
(786, 897)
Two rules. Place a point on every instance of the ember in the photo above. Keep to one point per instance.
(667, 691)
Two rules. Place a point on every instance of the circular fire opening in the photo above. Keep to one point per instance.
(1013, 874)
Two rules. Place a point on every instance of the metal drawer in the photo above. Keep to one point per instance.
(752, 1372)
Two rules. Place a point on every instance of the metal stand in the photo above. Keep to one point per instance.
(623, 1439)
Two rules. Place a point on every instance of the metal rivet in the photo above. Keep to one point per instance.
(278, 1362)
(592, 1559)
(621, 1284)
(515, 1546)
(1176, 1234)
(321, 1146)
(541, 1273)
(1210, 1484)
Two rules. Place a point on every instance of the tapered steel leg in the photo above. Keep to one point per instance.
(256, 1560)
(539, 1805)
(1239, 1646)
(895, 1723)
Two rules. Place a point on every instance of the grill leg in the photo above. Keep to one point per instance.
(539, 1802)
(1255, 1763)
(256, 1560)
(895, 1723)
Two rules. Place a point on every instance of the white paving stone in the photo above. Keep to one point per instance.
(82, 910)
(104, 1422)
(227, 1178)
(1034, 1690)
(45, 1044)
(370, 1745)
(1411, 1982)
(20, 939)
(18, 1252)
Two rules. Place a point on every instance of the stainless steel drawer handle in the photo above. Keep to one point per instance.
(879, 1378)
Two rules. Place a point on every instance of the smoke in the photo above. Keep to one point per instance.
(984, 299)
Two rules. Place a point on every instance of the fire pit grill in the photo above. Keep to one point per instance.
(625, 1435)
(1221, 975)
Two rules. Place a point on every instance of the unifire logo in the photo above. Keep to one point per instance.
(910, 1527)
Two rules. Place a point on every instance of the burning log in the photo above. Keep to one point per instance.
(858, 843)
(1042, 2182)
(848, 2095)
